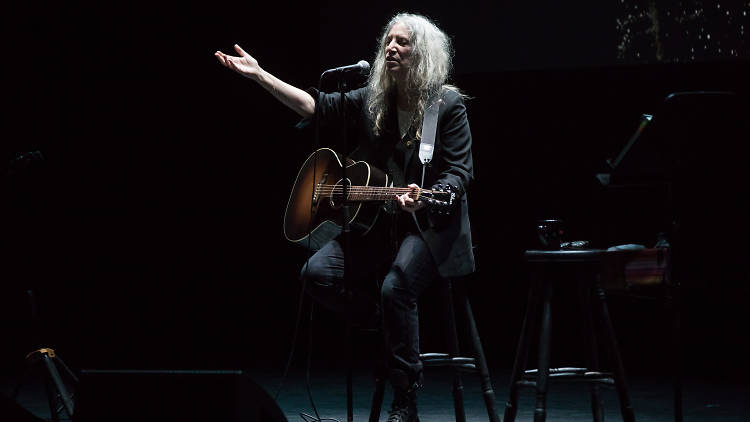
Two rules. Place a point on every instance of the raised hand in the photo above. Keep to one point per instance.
(244, 64)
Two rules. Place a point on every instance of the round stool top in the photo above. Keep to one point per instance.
(564, 255)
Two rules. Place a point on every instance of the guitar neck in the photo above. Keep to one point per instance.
(371, 193)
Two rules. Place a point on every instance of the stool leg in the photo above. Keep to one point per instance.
(672, 300)
(381, 377)
(453, 350)
(619, 371)
(377, 397)
(592, 355)
(484, 373)
(542, 377)
(519, 364)
(349, 381)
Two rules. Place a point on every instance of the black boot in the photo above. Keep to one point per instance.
(404, 407)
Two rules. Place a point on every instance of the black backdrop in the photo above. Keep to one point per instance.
(151, 233)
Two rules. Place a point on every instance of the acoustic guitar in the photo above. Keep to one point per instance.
(314, 212)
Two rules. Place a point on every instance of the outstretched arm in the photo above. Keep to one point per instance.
(247, 66)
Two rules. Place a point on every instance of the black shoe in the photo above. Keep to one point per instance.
(404, 407)
(406, 412)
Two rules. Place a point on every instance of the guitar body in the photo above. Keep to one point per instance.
(312, 217)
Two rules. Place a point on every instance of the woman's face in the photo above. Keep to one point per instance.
(398, 50)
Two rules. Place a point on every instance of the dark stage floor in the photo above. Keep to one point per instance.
(704, 400)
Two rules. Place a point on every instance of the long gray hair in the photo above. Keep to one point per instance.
(431, 65)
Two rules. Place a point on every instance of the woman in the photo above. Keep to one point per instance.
(410, 70)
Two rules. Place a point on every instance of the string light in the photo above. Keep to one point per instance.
(699, 32)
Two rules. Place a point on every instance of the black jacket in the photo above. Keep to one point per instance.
(448, 237)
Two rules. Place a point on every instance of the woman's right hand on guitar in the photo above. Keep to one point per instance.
(244, 64)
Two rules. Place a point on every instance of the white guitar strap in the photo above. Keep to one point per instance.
(429, 129)
(427, 143)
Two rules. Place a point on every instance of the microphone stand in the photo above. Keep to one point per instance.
(345, 229)
(345, 235)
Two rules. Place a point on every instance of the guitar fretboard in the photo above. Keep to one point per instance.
(370, 193)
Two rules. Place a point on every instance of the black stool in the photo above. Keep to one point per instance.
(452, 294)
(544, 265)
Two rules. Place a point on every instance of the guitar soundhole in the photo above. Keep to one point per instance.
(337, 194)
(319, 190)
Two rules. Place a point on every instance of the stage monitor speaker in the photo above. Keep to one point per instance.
(172, 395)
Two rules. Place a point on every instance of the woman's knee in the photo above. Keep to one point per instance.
(394, 288)
(316, 271)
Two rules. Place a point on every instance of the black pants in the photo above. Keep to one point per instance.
(408, 273)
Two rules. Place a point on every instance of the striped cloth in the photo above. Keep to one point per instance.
(624, 269)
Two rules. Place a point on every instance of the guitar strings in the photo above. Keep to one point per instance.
(371, 192)
(338, 186)
(368, 189)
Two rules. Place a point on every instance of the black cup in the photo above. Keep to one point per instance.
(549, 233)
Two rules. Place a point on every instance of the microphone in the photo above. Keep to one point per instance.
(353, 71)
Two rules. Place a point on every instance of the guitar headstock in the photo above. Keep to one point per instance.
(440, 199)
